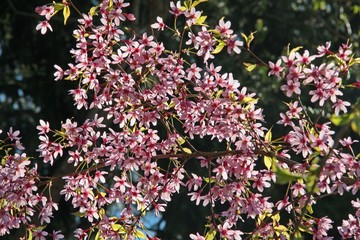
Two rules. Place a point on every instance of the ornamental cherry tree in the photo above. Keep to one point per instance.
(147, 105)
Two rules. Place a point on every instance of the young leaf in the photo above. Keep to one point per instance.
(66, 13)
(298, 236)
(118, 228)
(140, 234)
(97, 236)
(209, 180)
(249, 66)
(354, 61)
(268, 161)
(187, 150)
(200, 20)
(30, 234)
(310, 209)
(355, 125)
(342, 119)
(219, 47)
(276, 217)
(195, 3)
(210, 235)
(268, 136)
(248, 39)
(181, 140)
(294, 50)
(58, 6)
(244, 36)
(284, 176)
(93, 10)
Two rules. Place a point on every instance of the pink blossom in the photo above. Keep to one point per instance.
(39, 234)
(46, 11)
(305, 58)
(175, 9)
(44, 127)
(224, 27)
(340, 105)
(233, 44)
(13, 135)
(59, 74)
(298, 189)
(322, 50)
(160, 25)
(197, 237)
(192, 16)
(291, 87)
(275, 69)
(56, 235)
(43, 27)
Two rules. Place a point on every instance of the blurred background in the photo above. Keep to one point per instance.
(28, 92)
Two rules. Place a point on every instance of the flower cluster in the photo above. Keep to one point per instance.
(47, 12)
(300, 70)
(351, 228)
(20, 199)
(151, 102)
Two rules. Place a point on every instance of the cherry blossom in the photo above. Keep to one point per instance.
(160, 25)
(158, 99)
(43, 27)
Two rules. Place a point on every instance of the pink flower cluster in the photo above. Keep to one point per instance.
(47, 12)
(301, 71)
(351, 227)
(151, 102)
(19, 196)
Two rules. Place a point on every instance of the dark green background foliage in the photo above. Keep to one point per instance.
(28, 92)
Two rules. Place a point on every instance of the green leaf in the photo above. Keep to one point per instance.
(298, 236)
(210, 235)
(251, 100)
(3, 203)
(310, 209)
(93, 10)
(30, 234)
(311, 181)
(304, 228)
(215, 32)
(3, 161)
(248, 39)
(66, 13)
(140, 234)
(293, 50)
(219, 47)
(58, 6)
(340, 120)
(268, 161)
(200, 20)
(244, 36)
(183, 8)
(209, 180)
(276, 217)
(284, 176)
(79, 214)
(249, 66)
(268, 135)
(218, 94)
(118, 228)
(195, 3)
(181, 140)
(97, 236)
(102, 211)
(187, 150)
(187, 5)
(355, 125)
